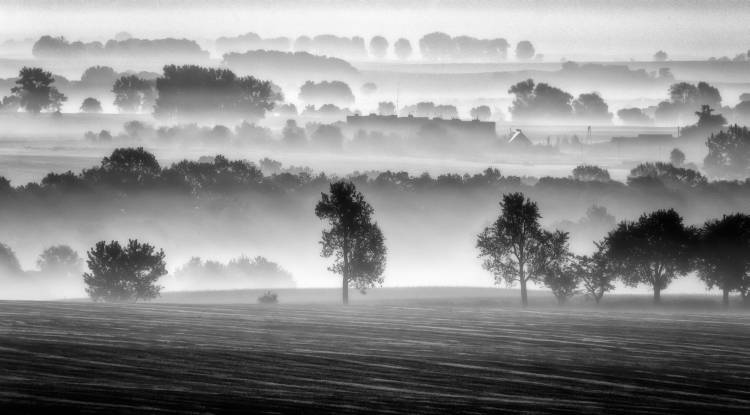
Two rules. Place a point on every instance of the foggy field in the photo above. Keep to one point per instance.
(404, 356)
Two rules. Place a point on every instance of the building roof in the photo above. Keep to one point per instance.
(518, 137)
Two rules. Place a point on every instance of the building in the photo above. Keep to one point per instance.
(411, 125)
(518, 138)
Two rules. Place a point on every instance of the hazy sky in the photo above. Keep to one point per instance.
(569, 28)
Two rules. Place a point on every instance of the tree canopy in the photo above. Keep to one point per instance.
(59, 260)
(723, 258)
(352, 238)
(654, 250)
(514, 247)
(191, 90)
(35, 91)
(133, 94)
(124, 273)
(91, 105)
(728, 153)
(535, 101)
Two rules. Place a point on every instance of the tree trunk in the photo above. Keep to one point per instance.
(345, 279)
(524, 297)
(657, 294)
(345, 290)
(725, 298)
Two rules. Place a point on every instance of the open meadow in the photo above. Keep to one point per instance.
(409, 356)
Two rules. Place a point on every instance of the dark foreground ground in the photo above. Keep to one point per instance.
(417, 357)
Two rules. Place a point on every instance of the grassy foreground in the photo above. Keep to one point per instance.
(409, 357)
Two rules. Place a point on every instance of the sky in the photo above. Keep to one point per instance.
(574, 29)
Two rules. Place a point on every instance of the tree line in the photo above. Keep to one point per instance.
(180, 92)
(652, 250)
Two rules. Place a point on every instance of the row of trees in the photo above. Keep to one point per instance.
(182, 91)
(57, 260)
(432, 46)
(536, 101)
(49, 47)
(135, 170)
(652, 250)
(130, 272)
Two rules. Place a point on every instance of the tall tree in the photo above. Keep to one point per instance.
(591, 107)
(595, 272)
(133, 94)
(728, 152)
(525, 50)
(124, 273)
(352, 238)
(378, 46)
(9, 265)
(191, 90)
(654, 250)
(556, 269)
(59, 260)
(402, 48)
(35, 91)
(513, 248)
(91, 105)
(723, 258)
(535, 101)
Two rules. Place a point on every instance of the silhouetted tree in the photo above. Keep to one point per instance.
(99, 76)
(513, 247)
(481, 113)
(191, 90)
(124, 273)
(126, 168)
(729, 152)
(591, 107)
(723, 258)
(534, 101)
(633, 116)
(742, 110)
(355, 241)
(9, 265)
(402, 48)
(327, 137)
(596, 273)
(35, 91)
(59, 260)
(293, 135)
(133, 94)
(525, 50)
(660, 56)
(653, 250)
(590, 173)
(302, 44)
(437, 45)
(677, 157)
(667, 174)
(369, 88)
(10, 103)
(708, 120)
(91, 105)
(556, 269)
(378, 46)
(684, 99)
(334, 92)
